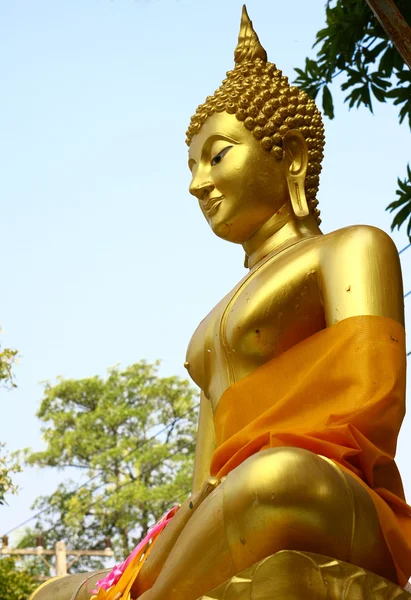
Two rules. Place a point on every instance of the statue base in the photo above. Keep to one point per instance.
(287, 575)
(292, 575)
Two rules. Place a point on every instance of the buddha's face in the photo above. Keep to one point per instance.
(238, 184)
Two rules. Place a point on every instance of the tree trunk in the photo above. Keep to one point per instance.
(394, 25)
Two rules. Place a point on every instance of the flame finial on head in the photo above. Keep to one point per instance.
(248, 47)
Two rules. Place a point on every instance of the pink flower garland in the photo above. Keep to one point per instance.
(117, 571)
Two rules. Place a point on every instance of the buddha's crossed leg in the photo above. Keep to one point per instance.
(281, 498)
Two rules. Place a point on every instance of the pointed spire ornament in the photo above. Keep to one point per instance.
(248, 47)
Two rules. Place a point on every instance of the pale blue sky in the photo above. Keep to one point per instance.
(106, 257)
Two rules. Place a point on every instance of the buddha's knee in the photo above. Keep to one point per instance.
(286, 477)
(288, 498)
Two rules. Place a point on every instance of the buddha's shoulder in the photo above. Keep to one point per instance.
(354, 241)
(353, 245)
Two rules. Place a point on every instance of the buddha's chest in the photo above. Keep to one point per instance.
(270, 310)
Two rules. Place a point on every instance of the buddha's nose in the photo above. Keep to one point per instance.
(200, 189)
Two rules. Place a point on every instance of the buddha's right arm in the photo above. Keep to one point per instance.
(203, 485)
(205, 444)
(160, 551)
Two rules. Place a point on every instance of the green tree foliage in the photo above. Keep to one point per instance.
(9, 464)
(354, 46)
(133, 436)
(16, 582)
(7, 359)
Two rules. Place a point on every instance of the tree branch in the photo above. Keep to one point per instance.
(394, 25)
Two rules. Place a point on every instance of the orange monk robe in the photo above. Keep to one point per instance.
(341, 394)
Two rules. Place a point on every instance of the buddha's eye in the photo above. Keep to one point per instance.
(219, 157)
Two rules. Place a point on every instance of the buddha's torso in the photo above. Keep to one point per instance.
(275, 306)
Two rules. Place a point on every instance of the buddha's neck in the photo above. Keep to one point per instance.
(281, 230)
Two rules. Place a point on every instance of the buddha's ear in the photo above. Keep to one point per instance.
(296, 158)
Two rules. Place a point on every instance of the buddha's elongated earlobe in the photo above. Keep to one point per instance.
(296, 157)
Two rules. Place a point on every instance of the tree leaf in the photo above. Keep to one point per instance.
(328, 105)
(378, 93)
(404, 201)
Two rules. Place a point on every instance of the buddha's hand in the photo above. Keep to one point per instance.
(208, 486)
(159, 554)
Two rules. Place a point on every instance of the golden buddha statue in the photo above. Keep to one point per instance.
(302, 372)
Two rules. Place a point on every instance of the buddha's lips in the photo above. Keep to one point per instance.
(212, 204)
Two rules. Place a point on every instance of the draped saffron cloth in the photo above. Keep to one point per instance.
(341, 394)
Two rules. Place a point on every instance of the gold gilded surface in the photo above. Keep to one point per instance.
(255, 150)
(292, 575)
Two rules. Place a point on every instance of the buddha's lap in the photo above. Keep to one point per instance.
(291, 498)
